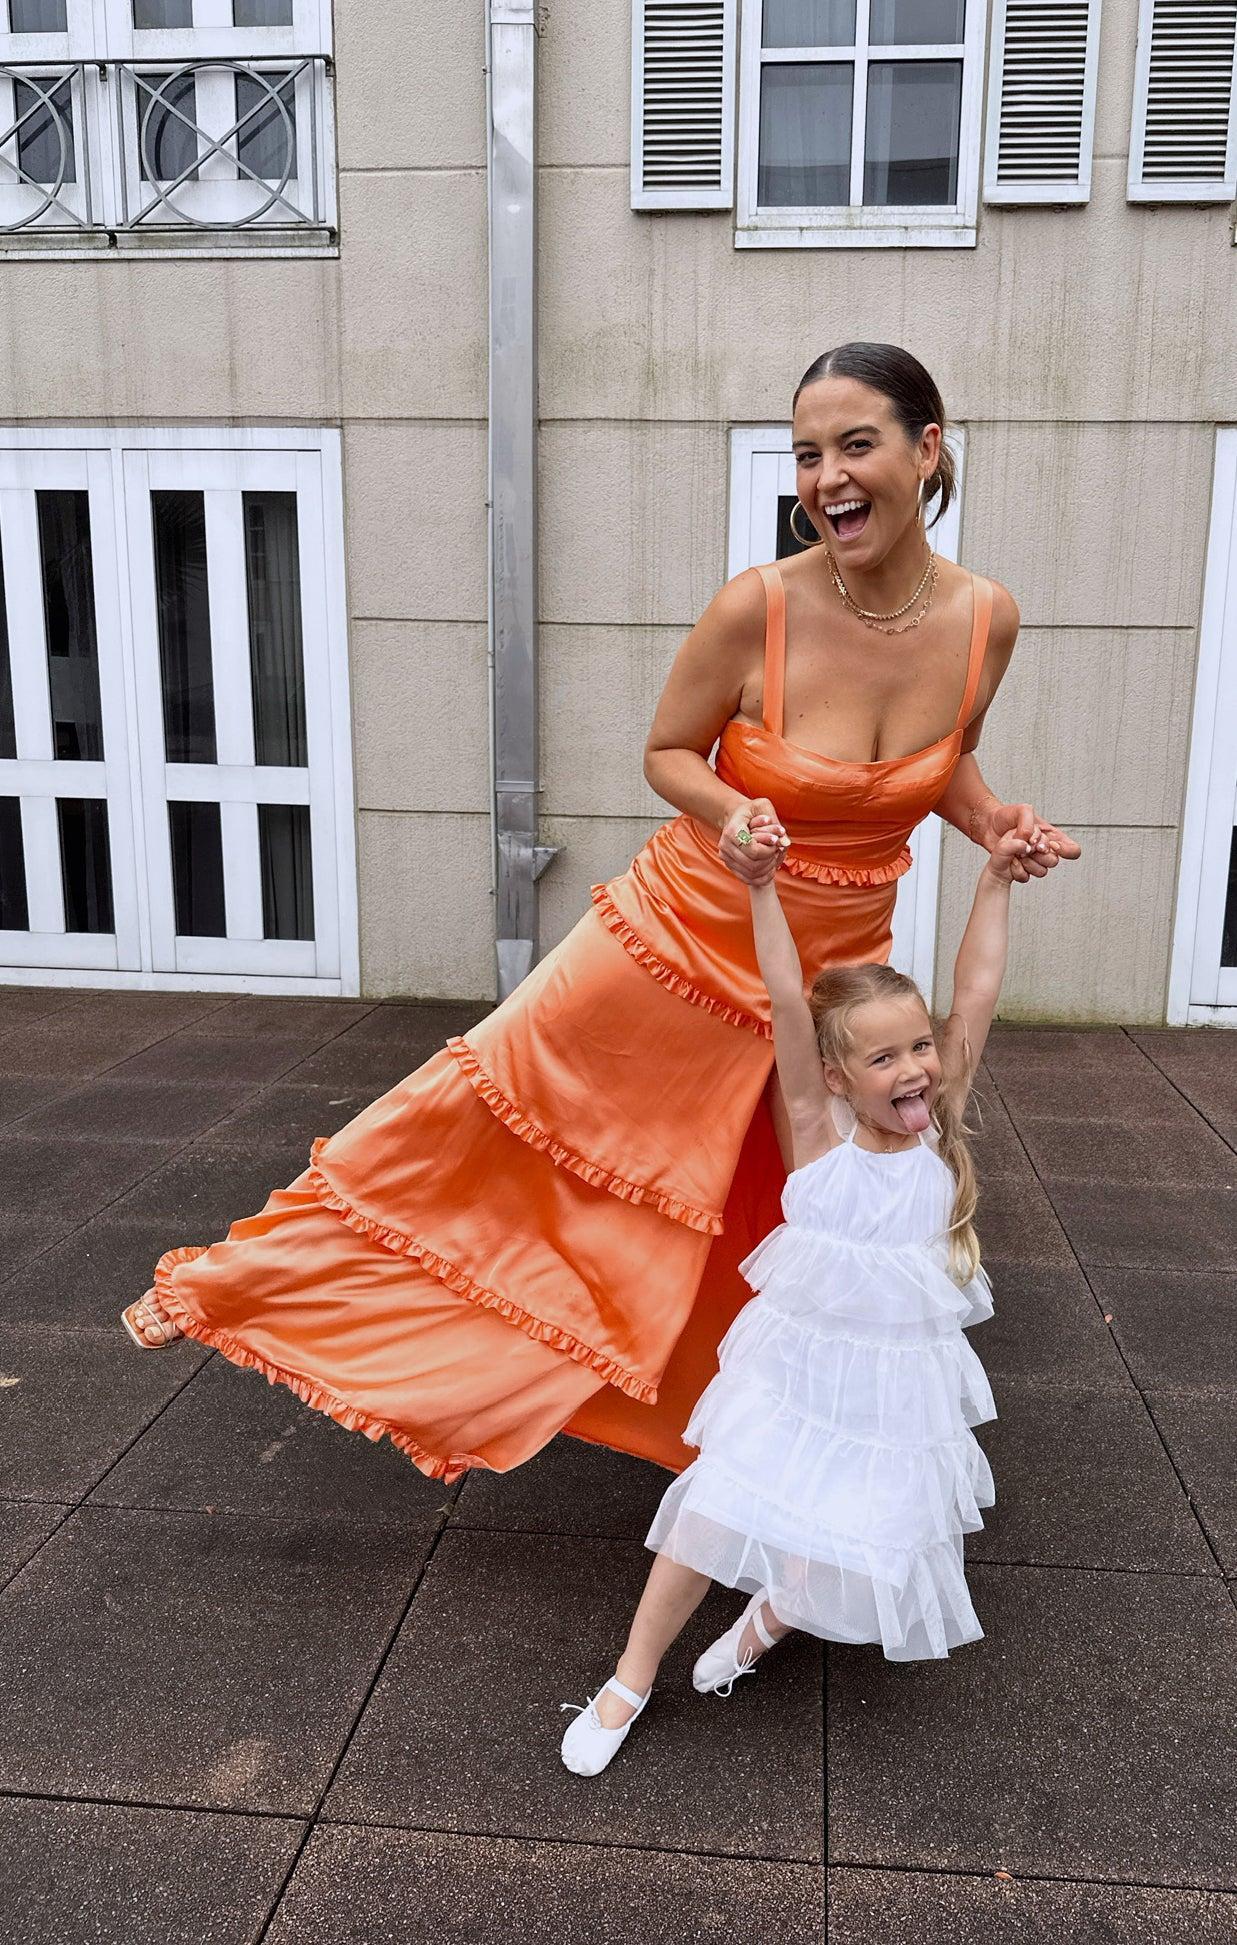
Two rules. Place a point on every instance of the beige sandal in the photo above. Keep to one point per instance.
(141, 1316)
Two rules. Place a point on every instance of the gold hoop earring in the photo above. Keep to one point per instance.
(816, 538)
(919, 507)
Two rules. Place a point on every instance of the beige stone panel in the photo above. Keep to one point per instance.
(584, 84)
(1089, 942)
(593, 850)
(1114, 98)
(409, 85)
(420, 700)
(414, 295)
(427, 924)
(181, 341)
(1091, 724)
(1061, 514)
(633, 521)
(1087, 313)
(599, 689)
(414, 497)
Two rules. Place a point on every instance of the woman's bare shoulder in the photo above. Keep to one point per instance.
(733, 623)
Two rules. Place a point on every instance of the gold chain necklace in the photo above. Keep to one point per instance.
(870, 616)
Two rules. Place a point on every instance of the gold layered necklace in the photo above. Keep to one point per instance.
(869, 616)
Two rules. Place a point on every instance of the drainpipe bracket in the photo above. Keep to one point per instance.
(543, 857)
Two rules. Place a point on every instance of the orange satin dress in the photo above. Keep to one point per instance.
(539, 1230)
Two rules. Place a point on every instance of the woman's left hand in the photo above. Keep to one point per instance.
(1048, 844)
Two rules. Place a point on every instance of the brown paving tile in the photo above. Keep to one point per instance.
(118, 1875)
(84, 1281)
(463, 1730)
(20, 1004)
(64, 1046)
(570, 1487)
(23, 1238)
(1017, 1219)
(285, 1110)
(388, 1044)
(1046, 1324)
(351, 1887)
(21, 1093)
(166, 1012)
(23, 1529)
(1201, 1435)
(1132, 1152)
(263, 1637)
(1031, 1089)
(939, 1908)
(1203, 1064)
(72, 1402)
(1088, 1735)
(233, 1442)
(203, 1190)
(66, 1180)
(1177, 1329)
(310, 1021)
(1075, 1049)
(114, 1108)
(197, 1055)
(1111, 1226)
(1082, 1480)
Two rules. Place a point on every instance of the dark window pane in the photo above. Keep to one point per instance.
(167, 144)
(788, 541)
(1228, 942)
(805, 109)
(84, 863)
(163, 13)
(184, 626)
(261, 13)
(8, 731)
(809, 23)
(287, 871)
(69, 619)
(266, 142)
(38, 16)
(272, 573)
(197, 870)
(926, 23)
(14, 915)
(912, 140)
(45, 130)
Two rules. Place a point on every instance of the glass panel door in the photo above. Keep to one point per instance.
(233, 689)
(68, 887)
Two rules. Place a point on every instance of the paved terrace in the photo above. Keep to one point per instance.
(262, 1681)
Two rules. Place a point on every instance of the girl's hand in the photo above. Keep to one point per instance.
(1044, 844)
(756, 861)
(1009, 859)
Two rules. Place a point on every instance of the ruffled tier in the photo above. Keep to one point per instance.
(922, 1612)
(895, 1289)
(898, 1391)
(664, 974)
(821, 872)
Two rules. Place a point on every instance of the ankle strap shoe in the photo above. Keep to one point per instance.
(721, 1665)
(587, 1744)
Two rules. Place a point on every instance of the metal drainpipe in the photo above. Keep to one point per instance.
(518, 858)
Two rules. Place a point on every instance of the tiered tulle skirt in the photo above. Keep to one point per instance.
(837, 1467)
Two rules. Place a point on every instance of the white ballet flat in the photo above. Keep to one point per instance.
(720, 1666)
(587, 1744)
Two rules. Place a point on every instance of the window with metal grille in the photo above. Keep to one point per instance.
(1183, 137)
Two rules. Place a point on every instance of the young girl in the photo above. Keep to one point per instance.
(837, 1469)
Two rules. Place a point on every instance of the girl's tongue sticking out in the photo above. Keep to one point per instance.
(912, 1111)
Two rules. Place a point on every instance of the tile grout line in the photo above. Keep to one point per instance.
(1180, 1091)
(1037, 1877)
(1082, 1270)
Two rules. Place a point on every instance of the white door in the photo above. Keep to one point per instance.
(68, 890)
(762, 496)
(1203, 981)
(175, 774)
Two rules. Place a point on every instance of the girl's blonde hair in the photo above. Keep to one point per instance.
(835, 996)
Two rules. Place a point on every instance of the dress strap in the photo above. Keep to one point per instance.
(844, 1117)
(981, 608)
(774, 681)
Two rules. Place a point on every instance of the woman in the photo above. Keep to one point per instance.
(540, 1229)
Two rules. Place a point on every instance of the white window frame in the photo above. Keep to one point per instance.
(762, 468)
(859, 226)
(145, 952)
(1200, 990)
(210, 214)
(1138, 188)
(1046, 188)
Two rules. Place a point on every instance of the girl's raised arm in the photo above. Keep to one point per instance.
(795, 1049)
(980, 966)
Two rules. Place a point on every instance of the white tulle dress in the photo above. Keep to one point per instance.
(837, 1468)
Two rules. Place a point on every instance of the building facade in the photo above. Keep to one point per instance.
(246, 454)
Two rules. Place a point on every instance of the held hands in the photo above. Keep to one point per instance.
(1013, 857)
(1042, 844)
(756, 860)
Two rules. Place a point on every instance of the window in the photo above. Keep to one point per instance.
(1041, 101)
(859, 123)
(166, 125)
(175, 779)
(1183, 135)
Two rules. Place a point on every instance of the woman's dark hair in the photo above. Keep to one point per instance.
(910, 389)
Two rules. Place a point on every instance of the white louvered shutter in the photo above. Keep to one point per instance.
(682, 104)
(1041, 101)
(1183, 143)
